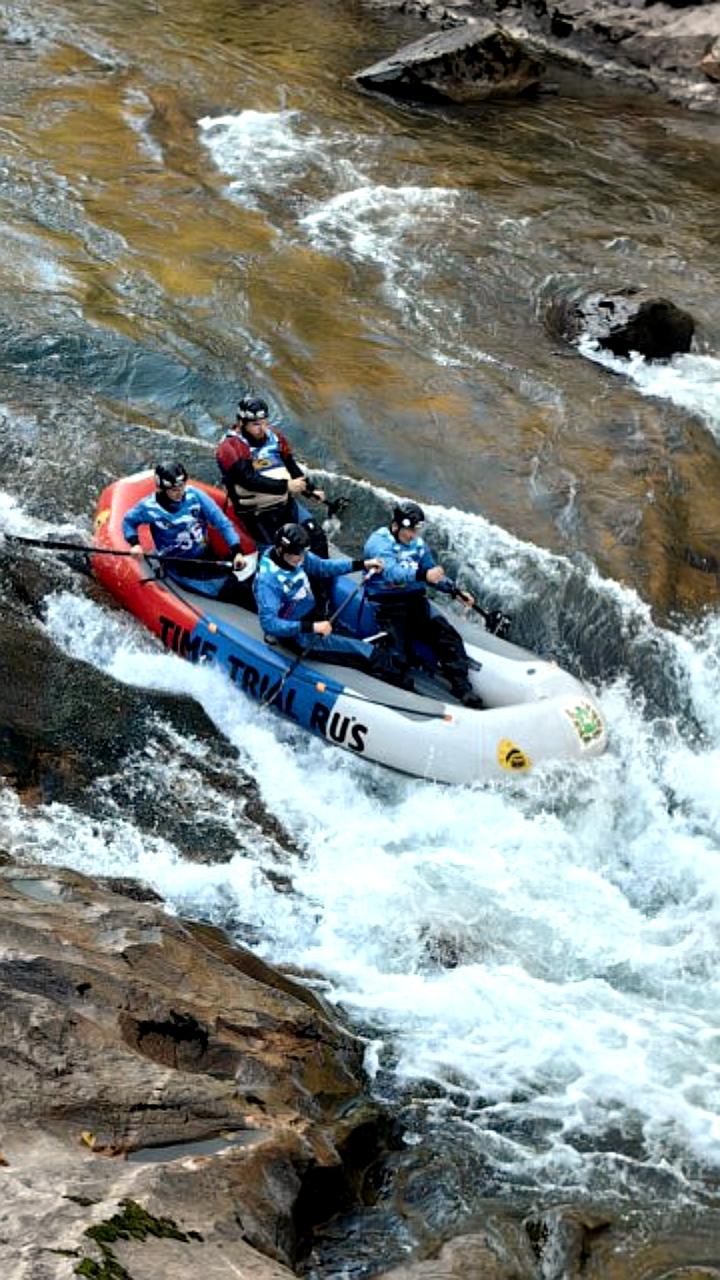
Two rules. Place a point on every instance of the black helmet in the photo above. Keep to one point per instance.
(168, 474)
(250, 409)
(292, 538)
(408, 515)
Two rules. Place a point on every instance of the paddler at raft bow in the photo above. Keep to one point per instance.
(179, 518)
(263, 479)
(290, 612)
(399, 595)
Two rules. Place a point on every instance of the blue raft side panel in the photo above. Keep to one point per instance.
(258, 669)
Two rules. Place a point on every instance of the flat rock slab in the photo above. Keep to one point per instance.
(465, 64)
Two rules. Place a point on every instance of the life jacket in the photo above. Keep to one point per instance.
(291, 588)
(266, 456)
(181, 528)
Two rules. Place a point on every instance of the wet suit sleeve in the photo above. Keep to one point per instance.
(237, 468)
(217, 519)
(316, 567)
(288, 458)
(426, 562)
(132, 520)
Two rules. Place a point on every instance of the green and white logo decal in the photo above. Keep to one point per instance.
(586, 721)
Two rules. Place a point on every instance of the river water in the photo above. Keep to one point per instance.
(196, 202)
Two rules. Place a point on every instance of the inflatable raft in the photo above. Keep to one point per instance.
(536, 712)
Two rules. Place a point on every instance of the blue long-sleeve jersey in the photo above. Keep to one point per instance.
(405, 564)
(285, 596)
(181, 529)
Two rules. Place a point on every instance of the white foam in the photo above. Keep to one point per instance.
(690, 381)
(551, 944)
(268, 152)
(384, 226)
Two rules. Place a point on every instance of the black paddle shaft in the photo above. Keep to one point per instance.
(80, 548)
(497, 622)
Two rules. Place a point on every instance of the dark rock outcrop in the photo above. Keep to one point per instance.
(662, 48)
(64, 722)
(147, 1063)
(622, 321)
(65, 725)
(466, 64)
(710, 63)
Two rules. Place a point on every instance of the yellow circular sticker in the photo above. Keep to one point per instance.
(102, 518)
(511, 757)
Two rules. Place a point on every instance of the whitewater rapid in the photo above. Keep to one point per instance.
(543, 951)
(548, 946)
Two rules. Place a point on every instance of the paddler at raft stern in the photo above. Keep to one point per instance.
(263, 479)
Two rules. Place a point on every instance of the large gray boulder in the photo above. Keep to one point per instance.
(465, 64)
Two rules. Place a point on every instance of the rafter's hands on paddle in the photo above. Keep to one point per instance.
(437, 577)
(466, 598)
(237, 564)
(496, 622)
(335, 506)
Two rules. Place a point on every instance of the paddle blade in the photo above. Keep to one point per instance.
(497, 623)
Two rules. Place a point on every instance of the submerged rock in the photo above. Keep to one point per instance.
(623, 321)
(710, 63)
(575, 1243)
(466, 64)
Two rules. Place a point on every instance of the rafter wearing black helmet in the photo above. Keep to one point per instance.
(292, 539)
(262, 477)
(252, 409)
(408, 515)
(291, 610)
(170, 475)
(180, 517)
(400, 598)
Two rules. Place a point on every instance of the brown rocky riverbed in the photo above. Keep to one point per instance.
(169, 1105)
(149, 1068)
